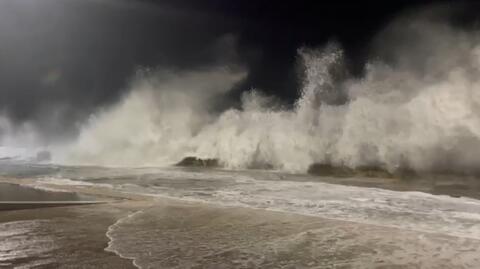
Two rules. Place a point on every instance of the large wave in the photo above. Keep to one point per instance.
(419, 109)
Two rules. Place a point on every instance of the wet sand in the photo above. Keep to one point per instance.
(15, 192)
(16, 197)
(169, 233)
(200, 236)
(61, 237)
(68, 235)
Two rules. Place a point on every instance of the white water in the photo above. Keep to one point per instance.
(429, 218)
(111, 237)
(414, 211)
(421, 111)
(416, 225)
(416, 106)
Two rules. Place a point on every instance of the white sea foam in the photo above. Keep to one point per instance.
(421, 110)
(110, 234)
(422, 214)
(55, 184)
(64, 182)
(415, 211)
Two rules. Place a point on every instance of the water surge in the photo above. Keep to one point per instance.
(420, 110)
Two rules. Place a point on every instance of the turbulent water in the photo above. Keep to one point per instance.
(279, 192)
(435, 219)
(419, 110)
(282, 192)
(417, 106)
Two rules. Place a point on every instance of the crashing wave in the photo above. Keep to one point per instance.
(418, 112)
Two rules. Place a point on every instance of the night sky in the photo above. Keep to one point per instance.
(61, 60)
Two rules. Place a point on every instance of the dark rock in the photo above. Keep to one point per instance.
(322, 169)
(373, 171)
(197, 162)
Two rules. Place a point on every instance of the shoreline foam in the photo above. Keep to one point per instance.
(108, 234)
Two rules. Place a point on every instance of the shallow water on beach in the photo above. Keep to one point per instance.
(27, 242)
(14, 192)
(458, 216)
(407, 223)
(176, 237)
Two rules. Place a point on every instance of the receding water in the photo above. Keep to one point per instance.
(14, 192)
(368, 224)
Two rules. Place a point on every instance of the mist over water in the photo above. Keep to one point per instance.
(419, 110)
(416, 106)
(156, 122)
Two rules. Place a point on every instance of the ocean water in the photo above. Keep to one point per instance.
(458, 216)
(418, 111)
(438, 220)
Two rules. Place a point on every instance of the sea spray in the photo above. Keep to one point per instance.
(396, 116)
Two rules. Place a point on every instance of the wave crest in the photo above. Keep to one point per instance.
(397, 115)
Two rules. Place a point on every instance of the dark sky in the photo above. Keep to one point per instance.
(60, 60)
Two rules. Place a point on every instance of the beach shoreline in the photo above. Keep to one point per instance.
(140, 231)
(67, 234)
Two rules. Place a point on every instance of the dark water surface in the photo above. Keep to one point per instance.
(14, 192)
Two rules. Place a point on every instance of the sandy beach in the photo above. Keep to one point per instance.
(60, 235)
(128, 231)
